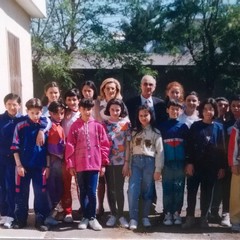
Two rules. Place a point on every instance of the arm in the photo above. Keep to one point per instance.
(125, 170)
(46, 124)
(20, 169)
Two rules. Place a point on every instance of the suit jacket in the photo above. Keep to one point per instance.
(158, 105)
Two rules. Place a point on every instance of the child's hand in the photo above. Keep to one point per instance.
(221, 173)
(235, 170)
(157, 176)
(40, 138)
(46, 172)
(102, 171)
(72, 171)
(189, 169)
(125, 170)
(21, 171)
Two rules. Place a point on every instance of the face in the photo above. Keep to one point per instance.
(110, 91)
(208, 112)
(235, 109)
(86, 113)
(87, 92)
(174, 93)
(72, 103)
(192, 102)
(223, 107)
(12, 107)
(58, 116)
(174, 112)
(52, 94)
(144, 117)
(148, 86)
(34, 114)
(115, 111)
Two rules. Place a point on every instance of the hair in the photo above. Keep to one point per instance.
(74, 92)
(208, 101)
(193, 93)
(146, 77)
(34, 103)
(12, 96)
(118, 102)
(139, 127)
(218, 99)
(46, 87)
(90, 84)
(86, 103)
(118, 88)
(55, 106)
(175, 84)
(174, 103)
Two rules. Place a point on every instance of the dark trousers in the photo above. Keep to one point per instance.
(115, 193)
(41, 204)
(7, 189)
(87, 182)
(206, 178)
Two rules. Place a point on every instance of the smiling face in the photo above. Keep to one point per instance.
(12, 107)
(144, 117)
(52, 94)
(110, 91)
(72, 103)
(191, 102)
(174, 93)
(174, 112)
(208, 113)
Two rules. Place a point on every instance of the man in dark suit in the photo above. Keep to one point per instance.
(148, 85)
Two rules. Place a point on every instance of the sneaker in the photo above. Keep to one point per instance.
(3, 220)
(190, 222)
(83, 224)
(123, 222)
(95, 225)
(133, 224)
(68, 218)
(50, 221)
(41, 227)
(146, 222)
(111, 221)
(226, 220)
(177, 220)
(168, 220)
(236, 227)
(9, 223)
(204, 222)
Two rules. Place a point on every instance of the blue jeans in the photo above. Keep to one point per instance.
(87, 182)
(141, 183)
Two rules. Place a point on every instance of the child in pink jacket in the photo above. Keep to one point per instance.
(87, 151)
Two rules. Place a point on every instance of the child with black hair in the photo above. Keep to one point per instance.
(206, 162)
(145, 165)
(174, 135)
(118, 131)
(87, 151)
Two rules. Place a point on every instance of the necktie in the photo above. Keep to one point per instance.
(146, 103)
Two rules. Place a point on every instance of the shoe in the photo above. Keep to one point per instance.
(3, 219)
(111, 221)
(123, 222)
(18, 225)
(168, 220)
(214, 218)
(9, 223)
(68, 218)
(50, 221)
(236, 227)
(133, 224)
(226, 220)
(190, 222)
(146, 223)
(41, 227)
(83, 224)
(204, 222)
(177, 220)
(95, 225)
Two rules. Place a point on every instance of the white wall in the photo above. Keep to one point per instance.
(16, 21)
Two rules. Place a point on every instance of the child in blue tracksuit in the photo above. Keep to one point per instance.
(174, 135)
(31, 164)
(8, 121)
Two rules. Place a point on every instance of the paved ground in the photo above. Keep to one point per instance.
(157, 231)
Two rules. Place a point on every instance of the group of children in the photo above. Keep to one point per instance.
(62, 139)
